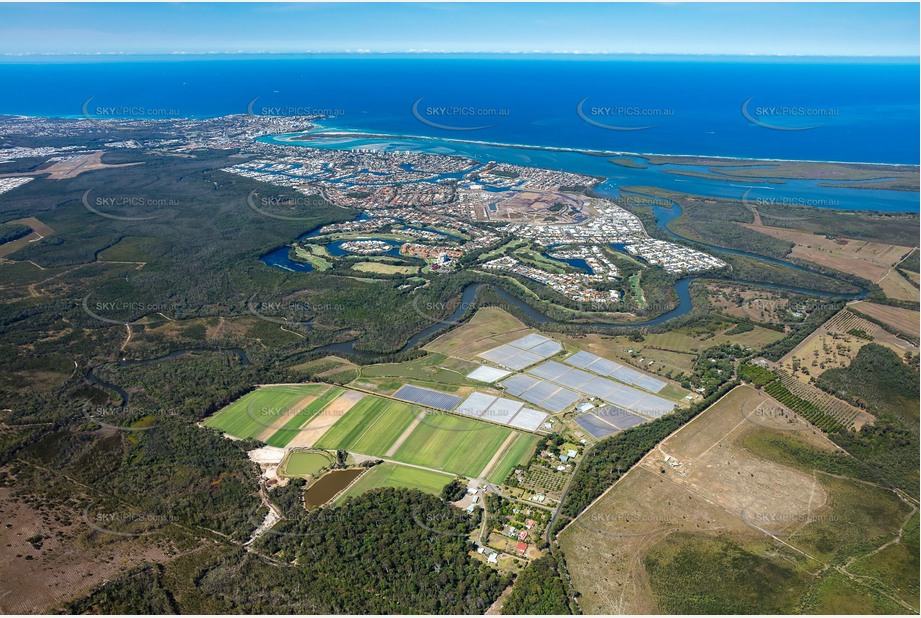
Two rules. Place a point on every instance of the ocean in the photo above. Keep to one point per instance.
(800, 109)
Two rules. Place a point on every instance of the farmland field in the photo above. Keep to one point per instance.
(431, 368)
(263, 410)
(903, 320)
(395, 475)
(741, 489)
(386, 269)
(376, 426)
(454, 444)
(488, 328)
(835, 344)
(516, 454)
(304, 415)
(370, 426)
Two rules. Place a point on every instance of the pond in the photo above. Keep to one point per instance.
(328, 485)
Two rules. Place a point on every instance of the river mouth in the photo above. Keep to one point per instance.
(328, 486)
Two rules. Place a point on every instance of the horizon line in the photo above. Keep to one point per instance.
(572, 53)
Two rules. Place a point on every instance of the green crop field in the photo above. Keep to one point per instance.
(395, 475)
(370, 427)
(289, 431)
(446, 442)
(259, 410)
(518, 453)
(303, 463)
(452, 443)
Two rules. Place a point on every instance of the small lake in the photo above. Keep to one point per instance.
(328, 485)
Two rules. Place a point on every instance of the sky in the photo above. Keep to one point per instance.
(793, 29)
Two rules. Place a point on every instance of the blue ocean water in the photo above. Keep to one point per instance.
(808, 109)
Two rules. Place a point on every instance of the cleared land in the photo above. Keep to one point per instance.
(252, 414)
(453, 444)
(518, 453)
(488, 328)
(903, 320)
(385, 269)
(755, 304)
(733, 493)
(432, 369)
(370, 426)
(39, 231)
(898, 287)
(395, 475)
(72, 167)
(313, 430)
(869, 260)
(381, 427)
(836, 343)
(291, 429)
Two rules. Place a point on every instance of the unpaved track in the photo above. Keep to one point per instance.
(396, 445)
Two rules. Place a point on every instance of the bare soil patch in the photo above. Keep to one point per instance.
(700, 479)
(314, 430)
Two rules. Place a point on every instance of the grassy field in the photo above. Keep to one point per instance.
(835, 345)
(896, 564)
(865, 259)
(488, 328)
(293, 425)
(395, 475)
(903, 320)
(432, 368)
(255, 412)
(385, 269)
(304, 463)
(454, 444)
(726, 585)
(370, 427)
(314, 255)
(745, 491)
(516, 454)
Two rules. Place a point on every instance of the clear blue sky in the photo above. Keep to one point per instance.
(833, 29)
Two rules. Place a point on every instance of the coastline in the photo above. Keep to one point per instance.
(356, 134)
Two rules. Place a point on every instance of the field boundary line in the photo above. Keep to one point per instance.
(630, 469)
(497, 456)
(408, 465)
(406, 433)
(287, 416)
